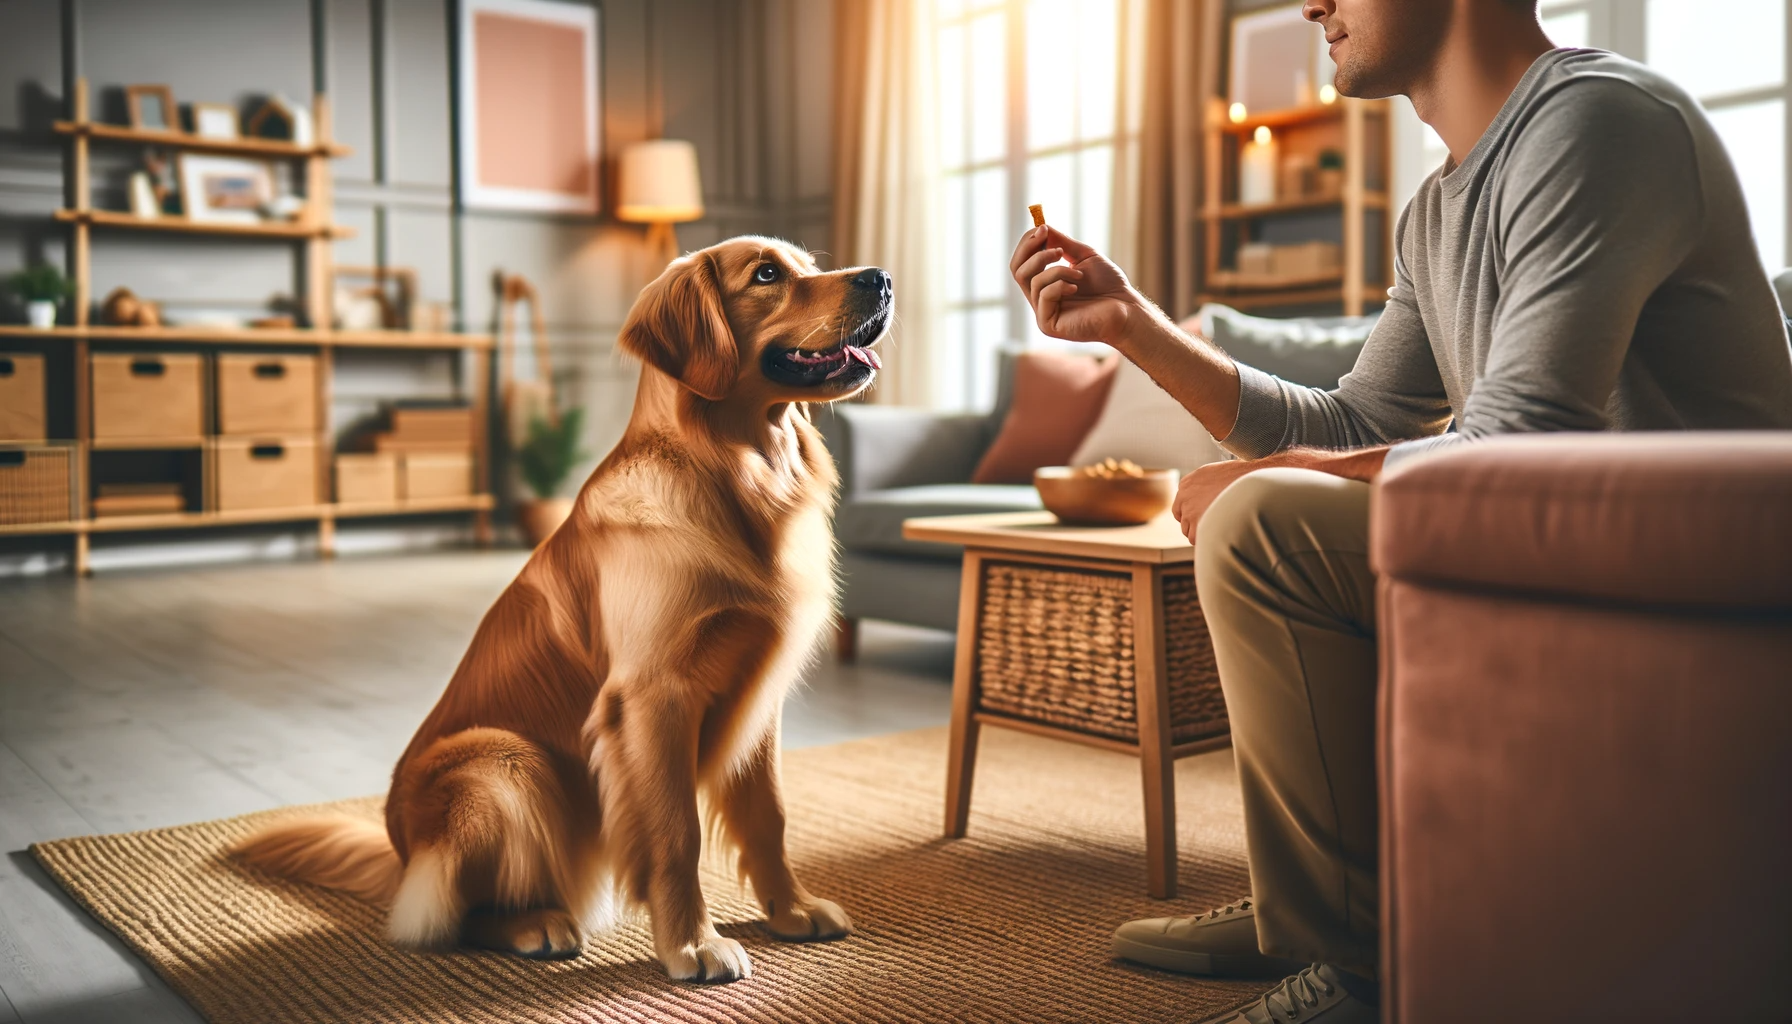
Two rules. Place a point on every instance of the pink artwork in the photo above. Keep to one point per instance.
(529, 105)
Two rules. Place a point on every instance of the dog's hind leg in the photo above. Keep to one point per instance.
(491, 854)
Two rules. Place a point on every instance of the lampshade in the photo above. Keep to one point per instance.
(659, 183)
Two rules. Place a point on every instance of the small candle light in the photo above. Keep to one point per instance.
(1328, 93)
(1257, 168)
(1236, 113)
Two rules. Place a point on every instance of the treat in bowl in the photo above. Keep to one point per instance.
(1112, 492)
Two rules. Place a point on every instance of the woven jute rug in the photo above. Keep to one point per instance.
(1009, 924)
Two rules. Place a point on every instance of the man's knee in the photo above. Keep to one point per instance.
(1270, 513)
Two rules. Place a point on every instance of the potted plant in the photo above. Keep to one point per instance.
(546, 459)
(1331, 172)
(40, 287)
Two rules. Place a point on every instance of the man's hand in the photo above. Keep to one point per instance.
(1199, 488)
(1088, 300)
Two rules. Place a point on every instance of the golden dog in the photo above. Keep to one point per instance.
(642, 656)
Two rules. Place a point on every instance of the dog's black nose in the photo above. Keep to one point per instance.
(875, 279)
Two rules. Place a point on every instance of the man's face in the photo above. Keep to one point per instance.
(1381, 47)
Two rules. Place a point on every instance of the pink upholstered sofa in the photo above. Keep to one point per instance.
(1586, 716)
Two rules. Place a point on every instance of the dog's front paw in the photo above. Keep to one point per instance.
(713, 960)
(808, 920)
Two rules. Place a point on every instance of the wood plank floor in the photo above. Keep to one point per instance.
(138, 700)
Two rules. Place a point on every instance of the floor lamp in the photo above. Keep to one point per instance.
(659, 186)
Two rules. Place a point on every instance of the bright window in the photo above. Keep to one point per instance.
(1027, 108)
(1731, 55)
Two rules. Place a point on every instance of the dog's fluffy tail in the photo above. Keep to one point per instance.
(350, 854)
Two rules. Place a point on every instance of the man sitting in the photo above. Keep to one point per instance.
(1582, 261)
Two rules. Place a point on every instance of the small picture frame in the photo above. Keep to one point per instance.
(152, 108)
(225, 189)
(215, 121)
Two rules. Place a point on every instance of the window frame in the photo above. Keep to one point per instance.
(1014, 162)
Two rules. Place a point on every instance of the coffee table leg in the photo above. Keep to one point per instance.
(1157, 761)
(961, 762)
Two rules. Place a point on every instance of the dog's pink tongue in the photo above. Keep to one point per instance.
(866, 356)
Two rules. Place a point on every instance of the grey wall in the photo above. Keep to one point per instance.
(748, 81)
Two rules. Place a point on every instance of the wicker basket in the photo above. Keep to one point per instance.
(37, 484)
(1055, 645)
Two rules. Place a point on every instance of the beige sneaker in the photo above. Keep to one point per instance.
(1221, 943)
(1314, 996)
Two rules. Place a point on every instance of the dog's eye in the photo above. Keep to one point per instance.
(768, 273)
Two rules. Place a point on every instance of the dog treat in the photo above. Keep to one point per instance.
(1113, 469)
(1038, 212)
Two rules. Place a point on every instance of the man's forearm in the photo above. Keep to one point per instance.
(1193, 370)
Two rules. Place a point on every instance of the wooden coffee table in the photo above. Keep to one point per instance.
(1088, 634)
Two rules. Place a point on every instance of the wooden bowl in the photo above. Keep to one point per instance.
(1122, 501)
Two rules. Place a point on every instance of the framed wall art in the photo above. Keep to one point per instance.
(1278, 60)
(529, 101)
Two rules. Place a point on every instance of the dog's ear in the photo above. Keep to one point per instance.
(678, 326)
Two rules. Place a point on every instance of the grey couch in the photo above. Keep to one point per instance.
(897, 463)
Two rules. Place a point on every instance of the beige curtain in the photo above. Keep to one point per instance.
(1169, 67)
(885, 194)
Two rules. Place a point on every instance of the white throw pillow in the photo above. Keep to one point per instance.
(1143, 423)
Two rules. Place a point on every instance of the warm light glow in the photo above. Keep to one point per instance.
(1262, 135)
(659, 183)
(1328, 94)
(1236, 113)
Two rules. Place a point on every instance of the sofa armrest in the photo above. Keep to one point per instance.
(1662, 519)
(881, 446)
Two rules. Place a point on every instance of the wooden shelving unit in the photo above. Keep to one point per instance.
(1360, 130)
(312, 232)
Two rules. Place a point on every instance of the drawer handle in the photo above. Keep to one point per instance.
(266, 451)
(12, 458)
(270, 371)
(5, 367)
(148, 368)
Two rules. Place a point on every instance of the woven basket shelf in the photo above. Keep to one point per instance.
(1055, 645)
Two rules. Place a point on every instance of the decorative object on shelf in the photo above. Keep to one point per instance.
(225, 189)
(160, 167)
(387, 302)
(284, 207)
(137, 499)
(1299, 176)
(152, 108)
(431, 318)
(523, 398)
(1279, 60)
(529, 94)
(144, 202)
(215, 121)
(281, 118)
(1257, 163)
(41, 287)
(277, 322)
(545, 459)
(659, 186)
(1256, 260)
(123, 308)
(1330, 176)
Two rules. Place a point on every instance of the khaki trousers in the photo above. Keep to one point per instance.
(1282, 568)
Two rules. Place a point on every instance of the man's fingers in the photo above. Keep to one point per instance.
(1037, 285)
(1029, 243)
(1076, 251)
(1034, 266)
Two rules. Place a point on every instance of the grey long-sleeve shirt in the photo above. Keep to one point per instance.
(1588, 266)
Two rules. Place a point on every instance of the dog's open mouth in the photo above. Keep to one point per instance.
(845, 362)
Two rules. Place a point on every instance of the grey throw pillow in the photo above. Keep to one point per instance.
(1314, 351)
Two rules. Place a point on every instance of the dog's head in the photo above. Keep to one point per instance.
(752, 320)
